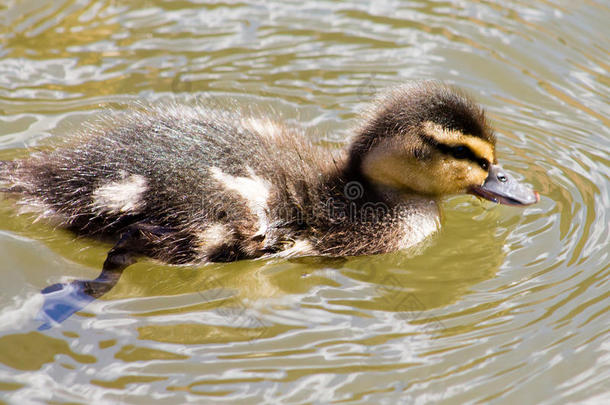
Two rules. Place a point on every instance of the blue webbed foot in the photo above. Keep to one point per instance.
(61, 300)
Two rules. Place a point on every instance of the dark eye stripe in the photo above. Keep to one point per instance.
(457, 151)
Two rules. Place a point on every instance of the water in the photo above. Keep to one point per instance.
(506, 305)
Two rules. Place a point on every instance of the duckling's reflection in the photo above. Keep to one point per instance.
(438, 273)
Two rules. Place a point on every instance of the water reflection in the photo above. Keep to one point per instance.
(520, 296)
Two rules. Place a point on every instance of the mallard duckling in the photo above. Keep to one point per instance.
(184, 185)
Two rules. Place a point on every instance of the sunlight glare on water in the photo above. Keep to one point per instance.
(505, 305)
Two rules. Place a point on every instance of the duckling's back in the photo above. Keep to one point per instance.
(208, 178)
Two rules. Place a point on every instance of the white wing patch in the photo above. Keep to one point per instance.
(254, 189)
(120, 196)
(214, 236)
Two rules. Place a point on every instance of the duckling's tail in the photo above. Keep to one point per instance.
(6, 168)
(3, 175)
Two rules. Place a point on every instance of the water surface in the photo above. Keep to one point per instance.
(506, 305)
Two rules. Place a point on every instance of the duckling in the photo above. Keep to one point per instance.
(185, 185)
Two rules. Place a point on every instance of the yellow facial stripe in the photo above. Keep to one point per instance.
(480, 147)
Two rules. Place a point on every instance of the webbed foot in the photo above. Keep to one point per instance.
(61, 300)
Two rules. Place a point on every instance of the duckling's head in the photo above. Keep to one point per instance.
(432, 140)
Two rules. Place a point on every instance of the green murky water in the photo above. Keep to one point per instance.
(505, 305)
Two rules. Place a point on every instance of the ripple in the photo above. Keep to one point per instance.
(504, 305)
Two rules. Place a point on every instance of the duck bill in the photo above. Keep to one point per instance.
(502, 188)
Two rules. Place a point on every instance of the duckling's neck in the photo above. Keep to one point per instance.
(347, 187)
(360, 217)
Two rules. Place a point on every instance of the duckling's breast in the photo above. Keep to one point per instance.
(421, 219)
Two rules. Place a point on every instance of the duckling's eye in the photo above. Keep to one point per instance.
(484, 164)
(460, 152)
